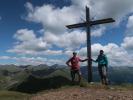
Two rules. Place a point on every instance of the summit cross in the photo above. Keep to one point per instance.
(88, 23)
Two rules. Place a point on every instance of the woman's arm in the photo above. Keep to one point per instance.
(68, 63)
(95, 60)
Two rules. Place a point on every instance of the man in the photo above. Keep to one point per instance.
(73, 63)
(102, 66)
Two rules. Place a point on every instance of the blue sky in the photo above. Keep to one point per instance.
(34, 32)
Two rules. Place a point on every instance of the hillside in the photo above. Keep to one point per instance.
(33, 84)
(44, 82)
(85, 93)
(10, 95)
(116, 75)
(32, 79)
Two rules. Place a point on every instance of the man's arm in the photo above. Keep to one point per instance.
(83, 60)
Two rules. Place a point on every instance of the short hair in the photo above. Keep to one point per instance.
(101, 51)
(74, 52)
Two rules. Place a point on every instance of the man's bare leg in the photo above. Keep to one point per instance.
(79, 77)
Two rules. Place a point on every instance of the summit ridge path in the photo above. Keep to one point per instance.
(81, 93)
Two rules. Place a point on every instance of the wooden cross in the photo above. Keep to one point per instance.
(88, 25)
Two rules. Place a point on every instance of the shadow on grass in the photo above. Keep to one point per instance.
(34, 85)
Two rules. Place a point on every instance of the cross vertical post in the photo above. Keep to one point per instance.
(88, 25)
(88, 45)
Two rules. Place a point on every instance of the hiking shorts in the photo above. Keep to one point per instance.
(73, 72)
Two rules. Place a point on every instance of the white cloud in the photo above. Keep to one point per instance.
(117, 55)
(128, 43)
(4, 57)
(98, 32)
(25, 35)
(28, 43)
(29, 7)
(118, 9)
(32, 60)
(52, 52)
(129, 30)
(41, 31)
(128, 39)
(67, 40)
(130, 22)
(54, 19)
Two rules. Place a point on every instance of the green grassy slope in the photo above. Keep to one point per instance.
(8, 95)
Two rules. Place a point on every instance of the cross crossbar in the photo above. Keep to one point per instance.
(103, 21)
(76, 25)
(88, 25)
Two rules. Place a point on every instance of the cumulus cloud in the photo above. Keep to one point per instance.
(25, 35)
(54, 20)
(67, 40)
(117, 55)
(128, 39)
(128, 43)
(129, 30)
(32, 60)
(29, 7)
(28, 43)
(98, 32)
(116, 9)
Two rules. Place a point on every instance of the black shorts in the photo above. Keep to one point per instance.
(73, 72)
